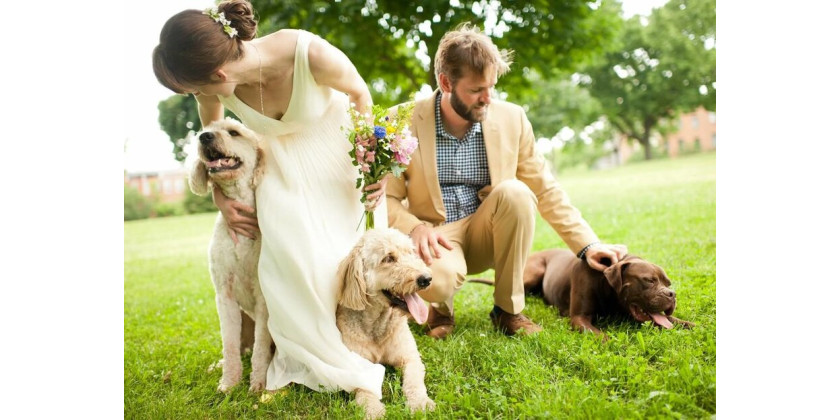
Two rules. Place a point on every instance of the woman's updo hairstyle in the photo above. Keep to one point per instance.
(193, 45)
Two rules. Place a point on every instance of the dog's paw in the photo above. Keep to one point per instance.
(684, 324)
(257, 385)
(225, 387)
(374, 410)
(425, 404)
(229, 379)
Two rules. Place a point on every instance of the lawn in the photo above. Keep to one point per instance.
(664, 211)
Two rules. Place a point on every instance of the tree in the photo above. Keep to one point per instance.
(557, 103)
(660, 69)
(392, 42)
(177, 116)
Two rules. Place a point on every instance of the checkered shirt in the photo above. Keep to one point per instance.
(462, 168)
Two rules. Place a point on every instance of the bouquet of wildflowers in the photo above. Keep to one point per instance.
(382, 143)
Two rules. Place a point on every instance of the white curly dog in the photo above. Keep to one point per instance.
(230, 158)
(378, 284)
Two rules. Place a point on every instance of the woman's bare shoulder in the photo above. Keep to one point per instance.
(282, 43)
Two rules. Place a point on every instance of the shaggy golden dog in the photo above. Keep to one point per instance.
(378, 284)
(230, 158)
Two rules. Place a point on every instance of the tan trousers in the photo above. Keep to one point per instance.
(498, 235)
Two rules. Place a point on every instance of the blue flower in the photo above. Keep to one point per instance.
(379, 132)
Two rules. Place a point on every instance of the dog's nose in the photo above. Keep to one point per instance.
(205, 138)
(424, 281)
(670, 293)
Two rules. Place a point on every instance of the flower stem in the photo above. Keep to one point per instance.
(368, 220)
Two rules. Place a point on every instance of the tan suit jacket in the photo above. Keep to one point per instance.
(509, 140)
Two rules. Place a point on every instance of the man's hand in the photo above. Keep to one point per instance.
(240, 218)
(375, 194)
(426, 241)
(600, 251)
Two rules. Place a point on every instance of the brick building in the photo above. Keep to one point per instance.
(696, 132)
(168, 186)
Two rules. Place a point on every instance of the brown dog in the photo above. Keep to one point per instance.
(632, 287)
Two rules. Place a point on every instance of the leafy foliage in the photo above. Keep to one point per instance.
(658, 70)
(558, 103)
(178, 115)
(383, 37)
(392, 42)
(135, 205)
(194, 203)
(169, 209)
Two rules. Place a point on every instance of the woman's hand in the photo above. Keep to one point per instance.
(376, 192)
(240, 218)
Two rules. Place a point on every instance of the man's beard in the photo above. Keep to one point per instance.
(463, 110)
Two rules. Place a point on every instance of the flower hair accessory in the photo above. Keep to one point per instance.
(214, 13)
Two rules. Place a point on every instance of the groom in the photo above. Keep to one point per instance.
(471, 192)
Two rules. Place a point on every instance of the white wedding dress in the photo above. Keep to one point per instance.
(309, 211)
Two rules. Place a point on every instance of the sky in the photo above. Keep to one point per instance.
(147, 148)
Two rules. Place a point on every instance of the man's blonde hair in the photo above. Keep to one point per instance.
(467, 49)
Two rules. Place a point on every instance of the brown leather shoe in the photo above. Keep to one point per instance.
(439, 325)
(509, 324)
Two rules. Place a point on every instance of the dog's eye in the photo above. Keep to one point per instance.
(233, 133)
(388, 259)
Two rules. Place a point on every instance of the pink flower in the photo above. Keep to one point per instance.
(402, 159)
(370, 157)
(404, 144)
(362, 142)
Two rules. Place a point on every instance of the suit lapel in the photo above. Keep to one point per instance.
(492, 144)
(427, 145)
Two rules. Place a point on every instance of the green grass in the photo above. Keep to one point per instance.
(663, 211)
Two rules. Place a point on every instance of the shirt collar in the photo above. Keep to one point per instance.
(475, 129)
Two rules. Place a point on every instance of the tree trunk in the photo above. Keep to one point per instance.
(645, 140)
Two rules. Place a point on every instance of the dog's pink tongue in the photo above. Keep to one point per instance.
(417, 308)
(661, 320)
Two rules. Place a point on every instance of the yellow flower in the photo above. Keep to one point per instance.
(390, 129)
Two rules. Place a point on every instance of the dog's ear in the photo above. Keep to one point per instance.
(199, 183)
(615, 274)
(351, 281)
(259, 169)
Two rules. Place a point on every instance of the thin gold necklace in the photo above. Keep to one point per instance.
(262, 109)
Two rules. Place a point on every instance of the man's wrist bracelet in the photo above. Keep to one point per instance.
(582, 253)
